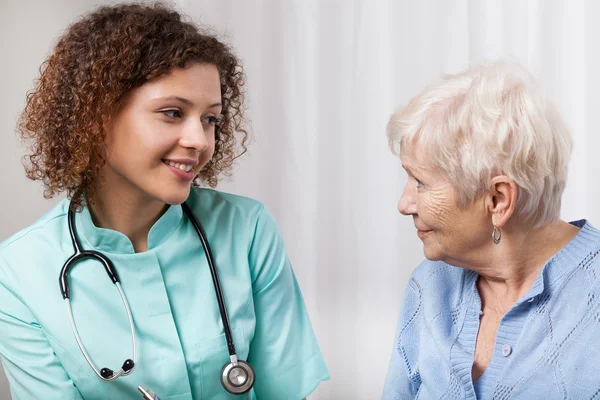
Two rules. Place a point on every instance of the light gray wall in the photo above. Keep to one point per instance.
(28, 29)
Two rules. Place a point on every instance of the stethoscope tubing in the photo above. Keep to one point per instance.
(81, 254)
(215, 277)
(121, 372)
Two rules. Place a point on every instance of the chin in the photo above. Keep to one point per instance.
(431, 254)
(175, 197)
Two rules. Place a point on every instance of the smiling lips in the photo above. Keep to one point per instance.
(183, 169)
(184, 166)
(423, 233)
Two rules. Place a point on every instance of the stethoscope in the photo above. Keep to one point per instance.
(237, 376)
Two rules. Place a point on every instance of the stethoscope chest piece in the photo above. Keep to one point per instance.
(237, 377)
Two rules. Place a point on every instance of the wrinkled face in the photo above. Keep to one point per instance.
(164, 134)
(449, 233)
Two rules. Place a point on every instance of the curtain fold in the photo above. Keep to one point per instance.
(323, 78)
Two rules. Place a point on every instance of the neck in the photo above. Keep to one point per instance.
(507, 271)
(129, 214)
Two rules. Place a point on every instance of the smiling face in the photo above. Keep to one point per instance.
(449, 233)
(163, 135)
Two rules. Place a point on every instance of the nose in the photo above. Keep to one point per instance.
(407, 204)
(194, 136)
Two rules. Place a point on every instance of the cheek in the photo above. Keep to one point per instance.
(133, 138)
(207, 154)
(437, 208)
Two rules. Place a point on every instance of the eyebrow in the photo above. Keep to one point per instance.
(409, 170)
(186, 101)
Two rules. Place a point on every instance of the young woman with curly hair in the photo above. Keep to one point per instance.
(134, 109)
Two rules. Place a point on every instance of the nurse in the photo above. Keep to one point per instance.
(133, 110)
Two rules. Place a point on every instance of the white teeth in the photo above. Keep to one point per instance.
(183, 167)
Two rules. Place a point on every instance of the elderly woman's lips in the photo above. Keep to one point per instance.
(422, 234)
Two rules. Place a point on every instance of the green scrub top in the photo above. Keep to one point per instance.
(180, 338)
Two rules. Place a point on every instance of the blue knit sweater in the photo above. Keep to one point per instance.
(547, 346)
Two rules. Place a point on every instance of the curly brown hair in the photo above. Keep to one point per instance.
(93, 66)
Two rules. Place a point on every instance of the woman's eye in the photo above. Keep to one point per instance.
(419, 183)
(172, 113)
(212, 120)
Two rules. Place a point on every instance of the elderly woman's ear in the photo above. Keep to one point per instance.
(502, 199)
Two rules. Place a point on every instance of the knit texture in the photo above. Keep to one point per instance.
(547, 346)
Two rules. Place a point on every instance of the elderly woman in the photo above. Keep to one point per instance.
(507, 305)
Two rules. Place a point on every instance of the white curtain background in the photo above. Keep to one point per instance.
(323, 78)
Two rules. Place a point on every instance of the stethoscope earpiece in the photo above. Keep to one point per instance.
(128, 365)
(107, 373)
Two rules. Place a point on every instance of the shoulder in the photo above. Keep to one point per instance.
(46, 230)
(32, 257)
(436, 289)
(241, 216)
(202, 200)
(587, 242)
(437, 276)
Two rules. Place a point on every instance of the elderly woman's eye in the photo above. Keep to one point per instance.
(419, 183)
(171, 113)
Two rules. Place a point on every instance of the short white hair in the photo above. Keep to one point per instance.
(492, 119)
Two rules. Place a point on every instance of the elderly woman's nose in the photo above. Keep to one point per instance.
(406, 204)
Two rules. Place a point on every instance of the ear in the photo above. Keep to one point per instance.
(502, 199)
(104, 121)
(107, 126)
